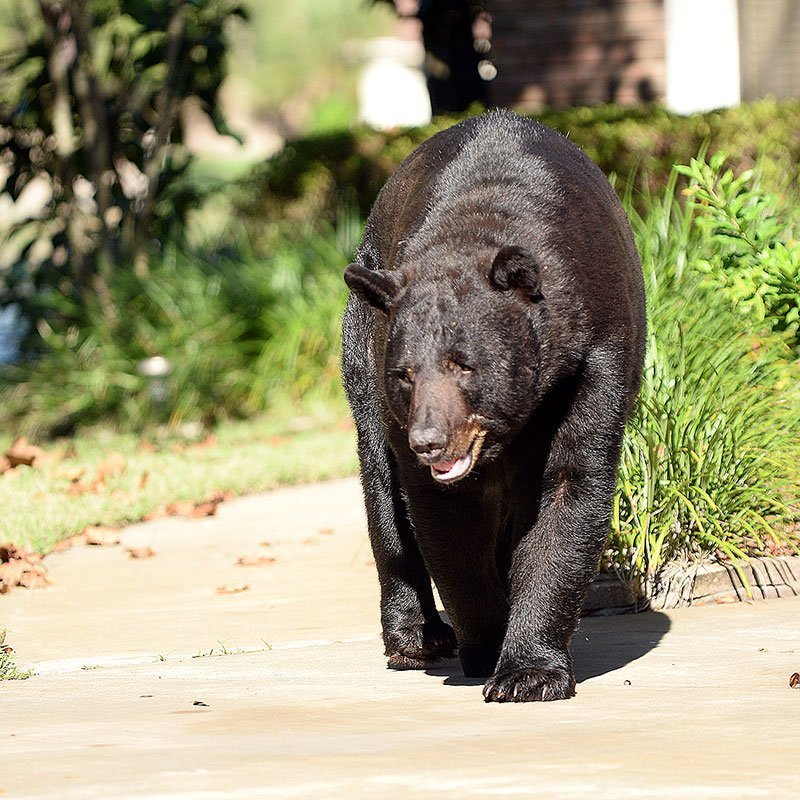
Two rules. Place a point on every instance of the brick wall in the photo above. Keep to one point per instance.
(577, 52)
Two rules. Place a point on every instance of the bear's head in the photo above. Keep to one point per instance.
(461, 360)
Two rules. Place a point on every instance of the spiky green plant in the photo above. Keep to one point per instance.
(707, 465)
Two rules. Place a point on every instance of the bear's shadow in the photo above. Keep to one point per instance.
(600, 645)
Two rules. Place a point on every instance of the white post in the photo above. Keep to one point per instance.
(702, 44)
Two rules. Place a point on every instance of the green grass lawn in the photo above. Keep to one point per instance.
(38, 508)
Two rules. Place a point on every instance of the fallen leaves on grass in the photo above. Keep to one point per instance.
(254, 561)
(112, 467)
(20, 567)
(232, 589)
(23, 454)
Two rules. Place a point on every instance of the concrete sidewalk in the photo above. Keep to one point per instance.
(128, 702)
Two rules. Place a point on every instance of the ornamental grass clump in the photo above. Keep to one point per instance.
(709, 464)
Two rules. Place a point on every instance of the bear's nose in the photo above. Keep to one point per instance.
(427, 441)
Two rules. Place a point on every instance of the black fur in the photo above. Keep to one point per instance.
(493, 345)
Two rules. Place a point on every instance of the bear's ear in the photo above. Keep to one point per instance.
(515, 268)
(377, 286)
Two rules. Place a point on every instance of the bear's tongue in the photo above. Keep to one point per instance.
(450, 470)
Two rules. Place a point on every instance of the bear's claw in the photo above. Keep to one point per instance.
(420, 646)
(529, 684)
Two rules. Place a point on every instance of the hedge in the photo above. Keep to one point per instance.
(312, 179)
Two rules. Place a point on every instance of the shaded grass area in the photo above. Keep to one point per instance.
(39, 511)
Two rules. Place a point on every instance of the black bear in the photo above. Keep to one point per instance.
(493, 347)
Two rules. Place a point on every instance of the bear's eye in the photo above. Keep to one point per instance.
(458, 366)
(405, 375)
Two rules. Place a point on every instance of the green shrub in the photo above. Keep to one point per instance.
(749, 251)
(310, 178)
(709, 460)
(93, 167)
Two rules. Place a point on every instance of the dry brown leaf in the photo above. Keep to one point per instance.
(254, 561)
(181, 508)
(208, 507)
(22, 453)
(265, 544)
(141, 552)
(48, 458)
(187, 508)
(326, 531)
(209, 441)
(204, 510)
(66, 544)
(98, 485)
(232, 589)
(101, 536)
(34, 579)
(71, 474)
(11, 572)
(77, 489)
(114, 465)
(5, 465)
(794, 680)
(143, 481)
(19, 567)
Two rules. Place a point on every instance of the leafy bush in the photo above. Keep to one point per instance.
(748, 251)
(92, 167)
(241, 335)
(311, 178)
(709, 461)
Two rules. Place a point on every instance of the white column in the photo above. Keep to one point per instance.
(702, 54)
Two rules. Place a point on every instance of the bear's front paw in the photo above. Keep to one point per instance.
(420, 646)
(543, 682)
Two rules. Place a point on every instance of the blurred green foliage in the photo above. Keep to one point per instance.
(297, 61)
(312, 177)
(243, 334)
(92, 167)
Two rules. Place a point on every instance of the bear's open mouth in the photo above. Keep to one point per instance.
(448, 471)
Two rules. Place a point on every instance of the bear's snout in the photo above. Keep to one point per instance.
(427, 441)
(447, 443)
